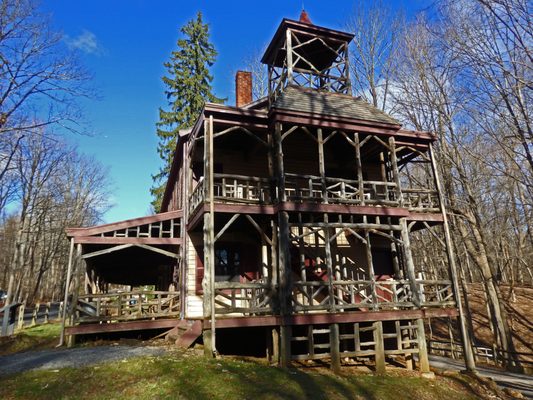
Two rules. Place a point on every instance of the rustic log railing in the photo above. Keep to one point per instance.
(253, 298)
(299, 188)
(368, 294)
(127, 306)
(482, 353)
(197, 196)
(238, 188)
(421, 200)
(337, 190)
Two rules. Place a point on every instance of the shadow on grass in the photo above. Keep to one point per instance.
(253, 380)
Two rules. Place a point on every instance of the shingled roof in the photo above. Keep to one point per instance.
(331, 104)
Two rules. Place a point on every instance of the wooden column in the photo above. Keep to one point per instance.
(346, 73)
(395, 170)
(209, 337)
(359, 166)
(422, 347)
(284, 258)
(410, 265)
(470, 363)
(288, 45)
(398, 274)
(379, 347)
(334, 348)
(65, 301)
(75, 292)
(273, 346)
(322, 165)
(329, 263)
(370, 263)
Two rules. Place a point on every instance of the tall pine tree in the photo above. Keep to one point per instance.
(188, 87)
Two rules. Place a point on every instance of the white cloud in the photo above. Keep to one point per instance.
(85, 42)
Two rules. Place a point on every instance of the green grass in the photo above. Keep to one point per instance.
(38, 337)
(190, 376)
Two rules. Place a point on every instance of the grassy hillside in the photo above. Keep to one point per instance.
(191, 376)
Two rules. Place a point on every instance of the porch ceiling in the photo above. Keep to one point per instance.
(131, 252)
(130, 265)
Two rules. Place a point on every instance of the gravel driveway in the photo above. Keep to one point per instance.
(77, 357)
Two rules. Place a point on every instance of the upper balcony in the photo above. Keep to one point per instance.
(240, 189)
(298, 163)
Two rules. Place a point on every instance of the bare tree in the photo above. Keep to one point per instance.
(430, 94)
(58, 188)
(254, 65)
(38, 75)
(377, 31)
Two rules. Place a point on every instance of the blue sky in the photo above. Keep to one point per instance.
(124, 43)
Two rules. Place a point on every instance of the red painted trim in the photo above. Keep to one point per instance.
(325, 318)
(128, 223)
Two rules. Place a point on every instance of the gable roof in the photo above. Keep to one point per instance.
(332, 104)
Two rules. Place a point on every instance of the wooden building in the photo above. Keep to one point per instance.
(285, 227)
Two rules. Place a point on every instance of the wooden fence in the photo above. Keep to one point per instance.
(481, 353)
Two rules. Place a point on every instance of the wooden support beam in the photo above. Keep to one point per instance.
(225, 228)
(329, 264)
(370, 263)
(106, 251)
(285, 346)
(359, 167)
(67, 284)
(410, 265)
(209, 245)
(289, 54)
(322, 165)
(334, 348)
(395, 171)
(379, 347)
(422, 347)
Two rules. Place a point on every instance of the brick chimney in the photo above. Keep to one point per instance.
(243, 88)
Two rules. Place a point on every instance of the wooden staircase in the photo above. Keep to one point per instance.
(185, 333)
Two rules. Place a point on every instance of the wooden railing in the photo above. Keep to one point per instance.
(127, 306)
(368, 294)
(253, 298)
(436, 293)
(300, 188)
(481, 353)
(238, 188)
(197, 196)
(421, 200)
(336, 190)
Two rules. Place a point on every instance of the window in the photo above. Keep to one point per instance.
(227, 264)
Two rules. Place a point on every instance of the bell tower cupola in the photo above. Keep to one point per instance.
(305, 55)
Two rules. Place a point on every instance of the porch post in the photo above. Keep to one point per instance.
(208, 283)
(65, 301)
(284, 276)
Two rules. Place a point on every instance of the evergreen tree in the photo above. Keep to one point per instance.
(188, 87)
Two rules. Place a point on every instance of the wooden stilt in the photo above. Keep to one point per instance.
(67, 284)
(334, 343)
(285, 346)
(410, 265)
(379, 347)
(422, 347)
